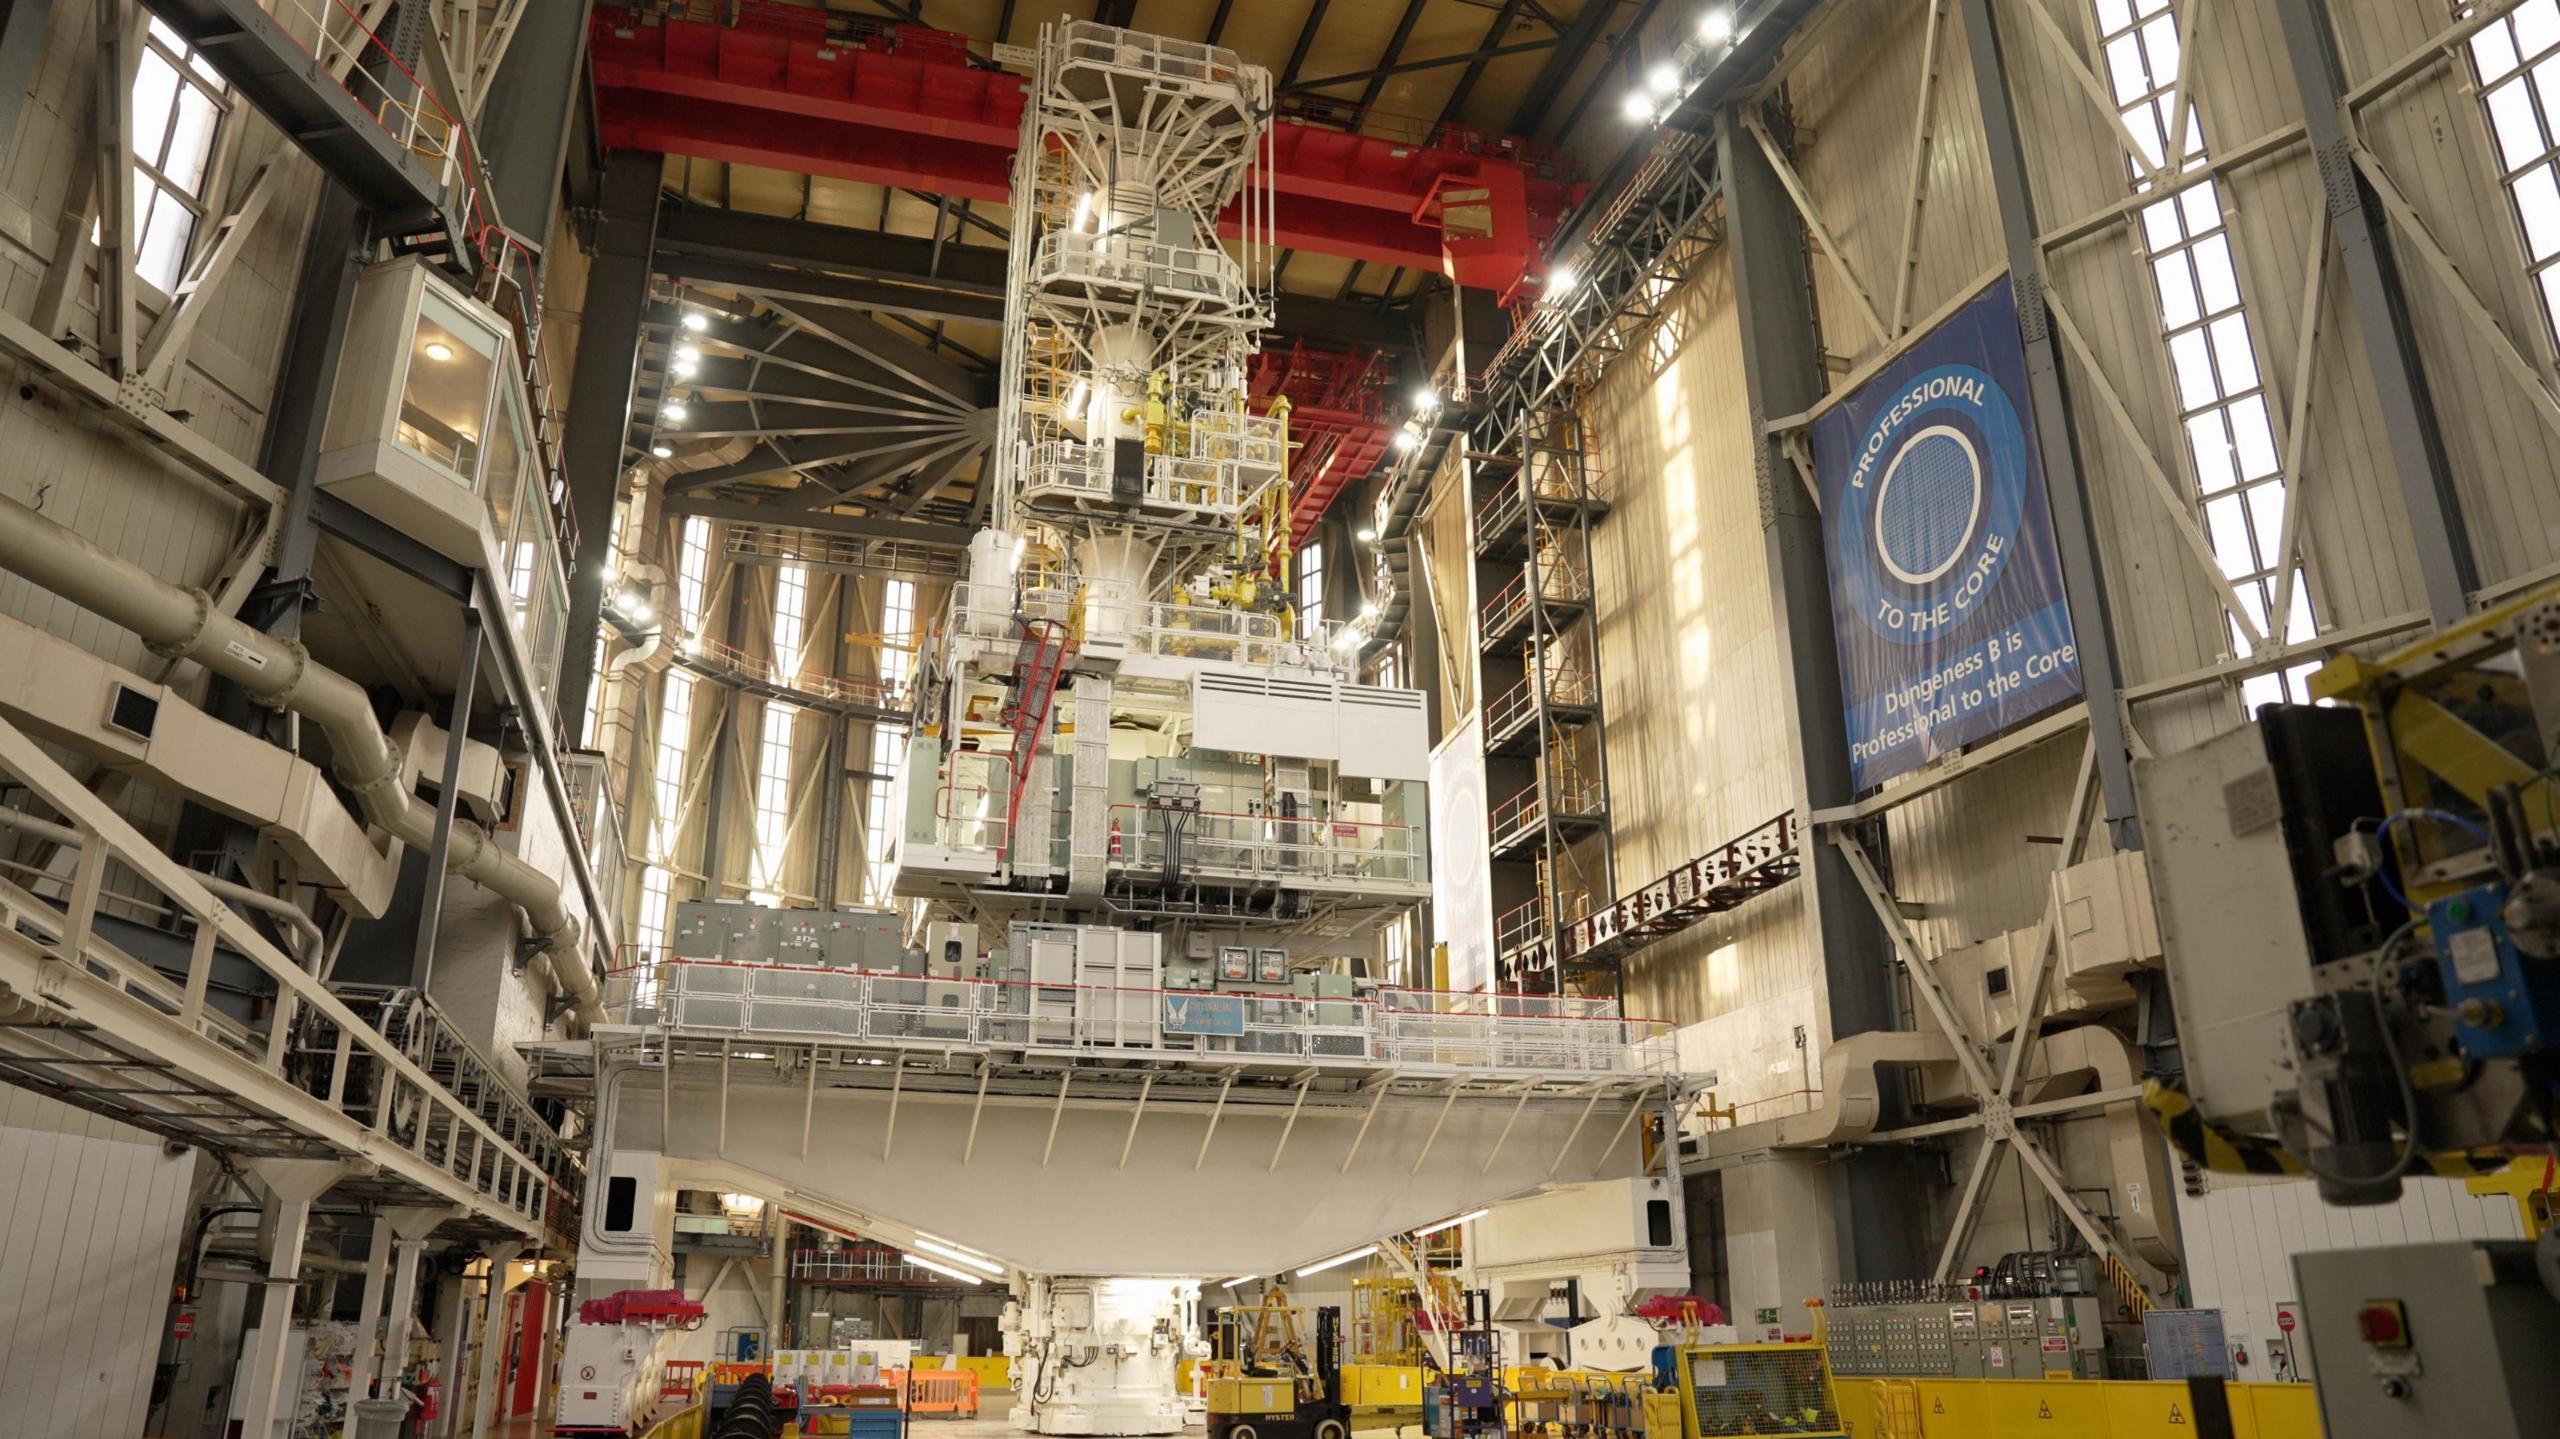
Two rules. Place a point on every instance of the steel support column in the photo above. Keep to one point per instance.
(1782, 375)
(523, 124)
(2083, 577)
(600, 386)
(493, 1340)
(2437, 533)
(831, 796)
(377, 1271)
(422, 959)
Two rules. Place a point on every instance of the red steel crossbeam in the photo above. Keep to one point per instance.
(1338, 421)
(904, 105)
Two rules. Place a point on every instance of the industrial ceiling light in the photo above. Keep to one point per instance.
(438, 351)
(1321, 1265)
(1560, 280)
(963, 1275)
(1426, 399)
(1369, 609)
(1716, 26)
(660, 451)
(1368, 535)
(1639, 107)
(682, 369)
(1430, 1229)
(1665, 79)
(1407, 439)
(687, 354)
(964, 1256)
(673, 411)
(1239, 1279)
(641, 614)
(695, 321)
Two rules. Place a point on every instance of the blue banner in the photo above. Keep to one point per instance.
(1946, 590)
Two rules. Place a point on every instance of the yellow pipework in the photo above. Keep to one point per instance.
(1152, 413)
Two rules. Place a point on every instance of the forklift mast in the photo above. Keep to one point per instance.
(1328, 1359)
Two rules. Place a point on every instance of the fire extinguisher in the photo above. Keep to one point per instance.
(1115, 839)
(430, 1388)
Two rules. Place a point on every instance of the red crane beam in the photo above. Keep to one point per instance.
(904, 105)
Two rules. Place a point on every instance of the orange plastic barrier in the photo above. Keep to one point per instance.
(952, 1392)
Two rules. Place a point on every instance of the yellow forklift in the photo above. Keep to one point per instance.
(1268, 1382)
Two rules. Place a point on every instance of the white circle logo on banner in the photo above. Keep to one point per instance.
(1923, 521)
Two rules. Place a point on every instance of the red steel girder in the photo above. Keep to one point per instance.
(1339, 421)
(903, 105)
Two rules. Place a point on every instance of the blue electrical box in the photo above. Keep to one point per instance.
(2505, 1004)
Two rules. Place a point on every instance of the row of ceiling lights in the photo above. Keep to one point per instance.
(685, 362)
(1669, 80)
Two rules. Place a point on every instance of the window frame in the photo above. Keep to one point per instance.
(157, 41)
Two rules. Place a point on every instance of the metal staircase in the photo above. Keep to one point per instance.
(1437, 1301)
(1538, 658)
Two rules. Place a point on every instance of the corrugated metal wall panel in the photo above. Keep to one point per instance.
(87, 1251)
(1701, 745)
(2434, 141)
(1857, 93)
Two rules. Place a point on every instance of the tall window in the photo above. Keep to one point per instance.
(888, 752)
(599, 697)
(1310, 589)
(888, 745)
(600, 686)
(790, 621)
(178, 104)
(675, 739)
(2204, 320)
(897, 635)
(2520, 89)
(773, 802)
(656, 886)
(693, 570)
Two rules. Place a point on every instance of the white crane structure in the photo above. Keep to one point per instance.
(1176, 819)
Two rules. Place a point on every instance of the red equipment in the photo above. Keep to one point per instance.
(643, 1306)
(893, 104)
(1340, 421)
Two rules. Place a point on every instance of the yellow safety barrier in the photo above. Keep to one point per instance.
(685, 1423)
(2068, 1409)
(994, 1371)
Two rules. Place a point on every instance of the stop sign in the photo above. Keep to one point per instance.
(184, 1326)
(2284, 1320)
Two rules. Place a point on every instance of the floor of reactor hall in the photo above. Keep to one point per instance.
(985, 1426)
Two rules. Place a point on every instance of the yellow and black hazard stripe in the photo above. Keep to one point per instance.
(2226, 1151)
(2221, 1150)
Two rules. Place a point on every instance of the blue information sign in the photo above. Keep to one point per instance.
(1946, 590)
